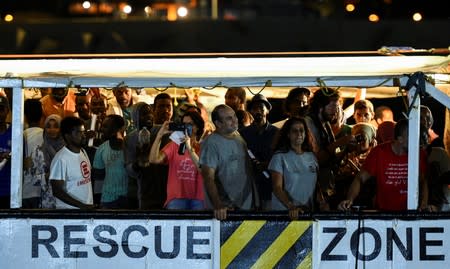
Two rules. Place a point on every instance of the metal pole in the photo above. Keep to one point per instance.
(17, 148)
(413, 150)
(437, 94)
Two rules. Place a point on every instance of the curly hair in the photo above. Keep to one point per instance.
(323, 97)
(198, 121)
(282, 142)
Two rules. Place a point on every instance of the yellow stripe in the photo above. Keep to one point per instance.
(307, 262)
(282, 244)
(238, 240)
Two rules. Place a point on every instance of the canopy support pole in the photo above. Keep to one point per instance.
(413, 149)
(17, 126)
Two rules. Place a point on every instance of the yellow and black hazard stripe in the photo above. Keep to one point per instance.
(266, 244)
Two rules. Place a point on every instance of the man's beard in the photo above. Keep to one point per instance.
(258, 118)
(124, 103)
(332, 119)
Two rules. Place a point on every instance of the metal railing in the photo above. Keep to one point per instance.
(236, 215)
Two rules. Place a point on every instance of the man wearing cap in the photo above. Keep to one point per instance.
(259, 137)
(5, 154)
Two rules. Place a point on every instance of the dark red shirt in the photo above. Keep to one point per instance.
(391, 172)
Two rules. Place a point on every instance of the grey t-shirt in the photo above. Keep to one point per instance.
(231, 163)
(300, 176)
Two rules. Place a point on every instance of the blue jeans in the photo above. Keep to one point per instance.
(185, 204)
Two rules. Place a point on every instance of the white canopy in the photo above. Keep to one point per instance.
(357, 71)
(363, 69)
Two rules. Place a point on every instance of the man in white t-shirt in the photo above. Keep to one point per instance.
(70, 171)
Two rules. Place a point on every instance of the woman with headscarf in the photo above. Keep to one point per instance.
(53, 142)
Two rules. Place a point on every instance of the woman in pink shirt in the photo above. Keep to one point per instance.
(184, 183)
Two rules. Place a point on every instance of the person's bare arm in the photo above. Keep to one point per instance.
(192, 153)
(208, 173)
(61, 194)
(354, 189)
(283, 196)
(157, 156)
(190, 96)
(321, 201)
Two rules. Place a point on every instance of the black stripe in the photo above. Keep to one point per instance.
(259, 244)
(298, 251)
(227, 228)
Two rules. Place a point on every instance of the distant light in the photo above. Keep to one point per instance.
(148, 9)
(374, 17)
(417, 16)
(9, 18)
(86, 4)
(350, 7)
(182, 11)
(127, 9)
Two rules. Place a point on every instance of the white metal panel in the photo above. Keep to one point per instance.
(108, 243)
(386, 244)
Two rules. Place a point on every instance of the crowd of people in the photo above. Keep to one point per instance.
(84, 151)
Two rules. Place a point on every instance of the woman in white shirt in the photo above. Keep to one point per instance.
(294, 170)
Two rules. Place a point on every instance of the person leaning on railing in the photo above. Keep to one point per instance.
(294, 169)
(388, 163)
(226, 166)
